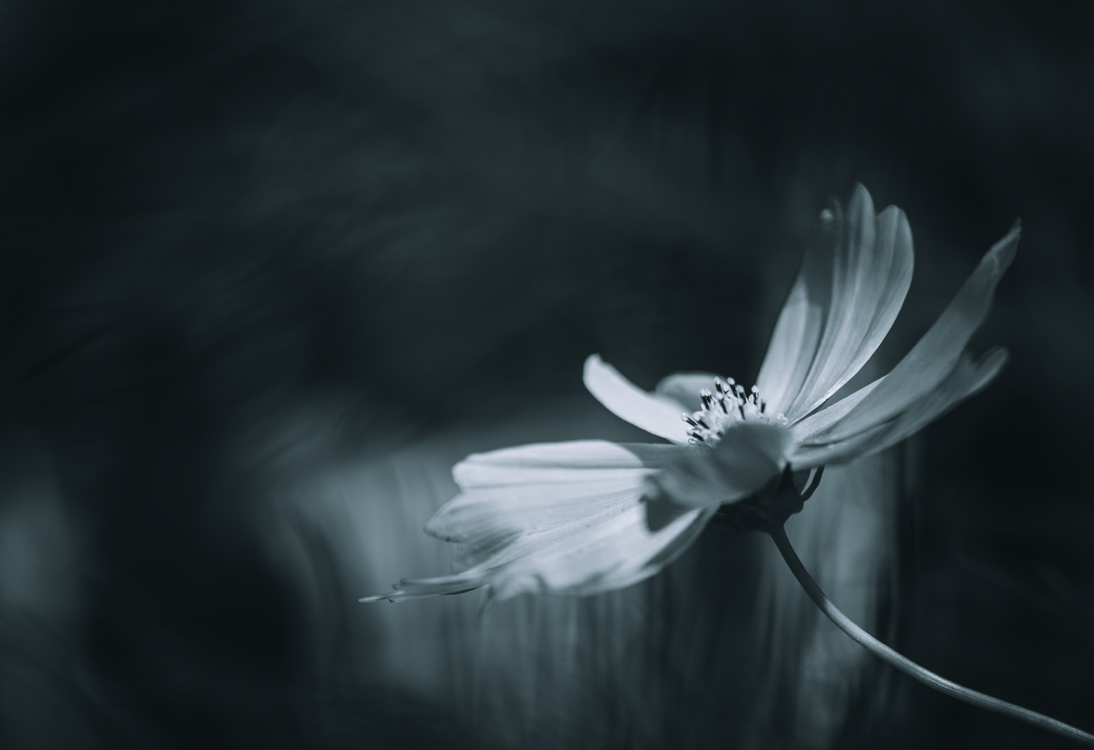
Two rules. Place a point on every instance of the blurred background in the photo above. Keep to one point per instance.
(268, 269)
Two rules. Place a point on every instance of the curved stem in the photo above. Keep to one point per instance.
(907, 666)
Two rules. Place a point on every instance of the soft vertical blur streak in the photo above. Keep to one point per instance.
(42, 703)
(847, 539)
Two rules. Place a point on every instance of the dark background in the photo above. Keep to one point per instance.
(243, 243)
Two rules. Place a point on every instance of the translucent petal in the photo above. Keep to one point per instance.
(559, 517)
(967, 379)
(801, 321)
(601, 557)
(518, 497)
(749, 455)
(933, 359)
(812, 455)
(656, 414)
(853, 281)
(820, 421)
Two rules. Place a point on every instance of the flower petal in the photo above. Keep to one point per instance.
(420, 588)
(559, 517)
(933, 359)
(601, 557)
(820, 421)
(684, 387)
(749, 455)
(801, 321)
(853, 281)
(514, 494)
(967, 379)
(656, 414)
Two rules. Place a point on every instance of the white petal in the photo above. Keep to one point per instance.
(421, 588)
(500, 522)
(853, 281)
(749, 455)
(820, 421)
(684, 387)
(932, 359)
(967, 379)
(801, 322)
(601, 557)
(658, 415)
(559, 517)
(575, 461)
(517, 498)
(809, 456)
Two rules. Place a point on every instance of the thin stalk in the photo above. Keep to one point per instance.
(907, 666)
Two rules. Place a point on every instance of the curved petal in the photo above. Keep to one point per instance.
(559, 517)
(656, 414)
(933, 359)
(801, 321)
(854, 277)
(967, 379)
(602, 557)
(684, 387)
(518, 497)
(811, 456)
(420, 588)
(820, 421)
(749, 455)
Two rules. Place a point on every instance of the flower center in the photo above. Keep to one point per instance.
(729, 404)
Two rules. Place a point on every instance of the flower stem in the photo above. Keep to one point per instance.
(907, 666)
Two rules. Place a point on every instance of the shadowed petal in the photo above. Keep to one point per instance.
(853, 281)
(932, 359)
(656, 414)
(967, 379)
(559, 517)
(518, 498)
(749, 455)
(684, 387)
(601, 557)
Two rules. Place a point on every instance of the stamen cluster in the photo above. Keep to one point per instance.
(730, 403)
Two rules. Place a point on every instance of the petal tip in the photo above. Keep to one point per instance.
(1002, 252)
(437, 529)
(591, 363)
(861, 200)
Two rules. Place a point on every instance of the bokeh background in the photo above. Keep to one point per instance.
(268, 269)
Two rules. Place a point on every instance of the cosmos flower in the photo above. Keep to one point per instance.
(590, 516)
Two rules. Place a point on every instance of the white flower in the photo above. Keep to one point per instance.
(578, 517)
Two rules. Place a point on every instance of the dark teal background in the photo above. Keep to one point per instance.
(428, 213)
